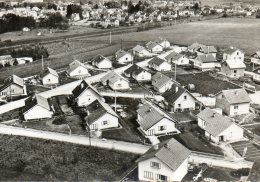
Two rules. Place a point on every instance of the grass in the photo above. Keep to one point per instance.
(254, 174)
(61, 161)
(13, 114)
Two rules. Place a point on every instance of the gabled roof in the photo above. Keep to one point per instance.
(96, 110)
(150, 45)
(159, 80)
(82, 87)
(112, 77)
(231, 50)
(235, 64)
(139, 48)
(215, 122)
(170, 152)
(257, 70)
(157, 61)
(37, 100)
(195, 46)
(120, 53)
(256, 54)
(75, 64)
(134, 69)
(236, 96)
(99, 58)
(48, 71)
(12, 80)
(206, 58)
(207, 49)
(174, 93)
(174, 56)
(3, 57)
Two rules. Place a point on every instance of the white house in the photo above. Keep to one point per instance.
(153, 121)
(13, 86)
(164, 43)
(233, 54)
(159, 64)
(100, 116)
(256, 76)
(204, 50)
(161, 82)
(6, 59)
(166, 161)
(179, 99)
(123, 57)
(24, 60)
(154, 47)
(37, 108)
(115, 81)
(194, 47)
(101, 62)
(138, 73)
(233, 102)
(84, 94)
(233, 68)
(178, 59)
(219, 128)
(140, 51)
(206, 62)
(49, 77)
(77, 70)
(255, 58)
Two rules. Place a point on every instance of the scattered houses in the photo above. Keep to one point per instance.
(154, 47)
(233, 68)
(233, 54)
(219, 128)
(206, 62)
(166, 161)
(77, 70)
(159, 64)
(102, 62)
(115, 81)
(84, 94)
(138, 73)
(140, 51)
(100, 116)
(233, 102)
(49, 77)
(161, 82)
(13, 86)
(37, 108)
(177, 58)
(255, 58)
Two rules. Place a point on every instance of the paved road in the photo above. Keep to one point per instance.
(76, 139)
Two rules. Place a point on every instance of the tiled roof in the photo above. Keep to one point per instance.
(235, 64)
(207, 49)
(82, 87)
(38, 100)
(170, 152)
(256, 55)
(156, 60)
(134, 69)
(159, 80)
(99, 58)
(215, 122)
(195, 46)
(12, 80)
(112, 77)
(171, 95)
(138, 48)
(48, 71)
(206, 58)
(75, 64)
(236, 96)
(174, 56)
(120, 53)
(150, 45)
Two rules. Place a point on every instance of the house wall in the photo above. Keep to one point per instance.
(157, 49)
(233, 133)
(237, 55)
(163, 89)
(12, 90)
(164, 170)
(170, 127)
(222, 103)
(143, 53)
(112, 122)
(256, 77)
(79, 71)
(37, 112)
(243, 108)
(255, 60)
(105, 64)
(120, 85)
(204, 66)
(87, 98)
(125, 59)
(188, 103)
(165, 44)
(181, 61)
(143, 76)
(231, 72)
(50, 80)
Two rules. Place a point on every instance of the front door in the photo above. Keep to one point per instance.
(221, 138)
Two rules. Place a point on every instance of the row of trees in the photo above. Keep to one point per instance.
(31, 5)
(34, 51)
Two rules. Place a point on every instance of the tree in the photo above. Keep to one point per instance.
(55, 20)
(131, 8)
(257, 13)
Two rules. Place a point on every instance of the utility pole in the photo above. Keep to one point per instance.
(42, 63)
(115, 101)
(121, 44)
(175, 74)
(110, 39)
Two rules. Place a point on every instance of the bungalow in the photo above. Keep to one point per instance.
(84, 94)
(205, 62)
(13, 86)
(233, 54)
(6, 59)
(138, 73)
(161, 82)
(123, 57)
(203, 50)
(49, 77)
(77, 70)
(219, 128)
(166, 161)
(179, 99)
(115, 81)
(153, 121)
(164, 43)
(140, 51)
(101, 62)
(255, 58)
(154, 47)
(178, 59)
(256, 76)
(233, 102)
(233, 68)
(37, 108)
(159, 64)
(100, 116)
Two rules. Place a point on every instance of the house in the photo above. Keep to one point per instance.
(233, 102)
(219, 128)
(233, 54)
(115, 81)
(256, 76)
(37, 108)
(255, 58)
(24, 60)
(179, 99)
(138, 73)
(233, 68)
(123, 57)
(177, 58)
(153, 121)
(13, 86)
(203, 50)
(194, 47)
(77, 70)
(6, 59)
(84, 94)
(101, 62)
(49, 77)
(159, 64)
(140, 51)
(206, 62)
(166, 161)
(154, 47)
(161, 82)
(164, 43)
(100, 116)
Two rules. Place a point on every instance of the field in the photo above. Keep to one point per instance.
(48, 160)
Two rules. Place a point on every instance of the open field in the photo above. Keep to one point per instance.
(51, 161)
(217, 2)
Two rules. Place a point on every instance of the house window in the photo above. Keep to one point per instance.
(236, 107)
(179, 105)
(79, 71)
(155, 165)
(161, 128)
(185, 97)
(105, 123)
(148, 175)
(49, 80)
(235, 71)
(126, 58)
(237, 53)
(161, 177)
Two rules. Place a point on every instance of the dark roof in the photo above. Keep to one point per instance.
(195, 46)
(134, 69)
(257, 70)
(150, 45)
(171, 95)
(37, 100)
(48, 71)
(12, 80)
(99, 58)
(170, 152)
(82, 87)
(256, 55)
(156, 60)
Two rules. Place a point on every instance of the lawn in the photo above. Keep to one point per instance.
(255, 175)
(54, 161)
(10, 115)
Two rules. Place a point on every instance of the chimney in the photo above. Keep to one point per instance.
(214, 114)
(176, 89)
(156, 147)
(166, 145)
(208, 49)
(87, 112)
(150, 109)
(82, 85)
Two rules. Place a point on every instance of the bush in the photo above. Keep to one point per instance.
(59, 120)
(240, 172)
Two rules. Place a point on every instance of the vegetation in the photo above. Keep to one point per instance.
(55, 20)
(258, 13)
(72, 8)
